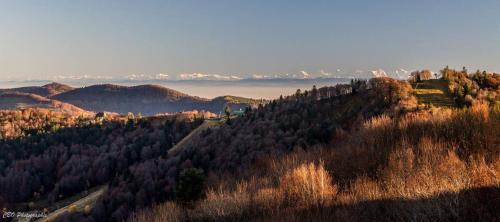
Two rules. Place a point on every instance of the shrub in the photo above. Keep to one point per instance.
(72, 209)
(308, 185)
(167, 212)
(87, 209)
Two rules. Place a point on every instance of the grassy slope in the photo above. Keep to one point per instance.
(195, 133)
(435, 92)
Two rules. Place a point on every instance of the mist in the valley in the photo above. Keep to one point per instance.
(257, 89)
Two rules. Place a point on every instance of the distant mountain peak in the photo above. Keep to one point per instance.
(379, 73)
(203, 76)
(55, 85)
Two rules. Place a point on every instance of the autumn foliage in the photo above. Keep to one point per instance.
(432, 164)
(359, 152)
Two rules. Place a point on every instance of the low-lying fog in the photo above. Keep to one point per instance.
(266, 89)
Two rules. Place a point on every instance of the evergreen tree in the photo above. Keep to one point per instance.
(297, 93)
(190, 185)
(314, 92)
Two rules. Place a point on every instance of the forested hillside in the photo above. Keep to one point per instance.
(430, 165)
(19, 123)
(295, 122)
(470, 87)
(403, 163)
(47, 163)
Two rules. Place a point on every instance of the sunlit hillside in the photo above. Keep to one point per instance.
(429, 162)
(378, 149)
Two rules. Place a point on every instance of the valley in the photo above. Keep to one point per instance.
(342, 152)
(249, 111)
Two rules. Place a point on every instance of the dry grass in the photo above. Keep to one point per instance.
(166, 212)
(308, 185)
(431, 165)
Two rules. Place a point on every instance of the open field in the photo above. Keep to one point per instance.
(433, 92)
(195, 133)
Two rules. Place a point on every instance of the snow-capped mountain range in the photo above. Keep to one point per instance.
(399, 73)
(202, 76)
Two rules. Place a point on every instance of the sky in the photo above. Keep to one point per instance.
(43, 39)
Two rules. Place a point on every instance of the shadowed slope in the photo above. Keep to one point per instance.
(145, 99)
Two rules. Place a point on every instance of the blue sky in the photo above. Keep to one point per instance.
(42, 39)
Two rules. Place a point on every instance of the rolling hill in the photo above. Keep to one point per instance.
(17, 100)
(45, 90)
(145, 99)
